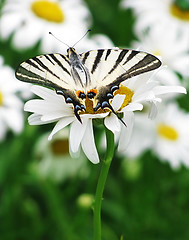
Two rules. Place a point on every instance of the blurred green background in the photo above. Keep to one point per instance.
(143, 199)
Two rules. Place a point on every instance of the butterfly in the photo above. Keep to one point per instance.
(95, 74)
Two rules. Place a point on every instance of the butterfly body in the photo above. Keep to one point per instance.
(95, 74)
(79, 71)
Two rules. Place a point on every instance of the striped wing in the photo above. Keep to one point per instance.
(104, 69)
(51, 70)
(112, 66)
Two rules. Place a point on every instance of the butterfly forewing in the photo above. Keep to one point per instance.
(52, 70)
(112, 66)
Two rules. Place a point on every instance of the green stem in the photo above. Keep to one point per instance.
(101, 183)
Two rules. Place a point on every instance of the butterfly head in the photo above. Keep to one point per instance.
(71, 51)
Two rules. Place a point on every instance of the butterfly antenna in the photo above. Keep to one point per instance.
(58, 39)
(82, 37)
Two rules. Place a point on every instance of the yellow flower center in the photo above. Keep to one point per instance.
(167, 132)
(89, 108)
(60, 147)
(47, 10)
(128, 95)
(179, 13)
(1, 99)
(122, 91)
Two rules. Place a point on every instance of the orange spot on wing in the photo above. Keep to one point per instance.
(78, 92)
(93, 90)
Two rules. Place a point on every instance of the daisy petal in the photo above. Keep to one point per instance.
(60, 124)
(35, 119)
(117, 101)
(133, 107)
(126, 132)
(88, 144)
(112, 123)
(77, 131)
(168, 89)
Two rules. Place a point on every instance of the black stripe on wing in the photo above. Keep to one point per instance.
(118, 60)
(35, 70)
(65, 58)
(27, 76)
(97, 60)
(33, 64)
(146, 64)
(56, 60)
(85, 57)
(131, 55)
(107, 54)
(43, 66)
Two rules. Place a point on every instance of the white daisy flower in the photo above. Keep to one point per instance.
(53, 160)
(30, 21)
(128, 98)
(172, 50)
(11, 114)
(159, 13)
(167, 136)
(131, 96)
(54, 108)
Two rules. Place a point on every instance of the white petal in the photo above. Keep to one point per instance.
(3, 129)
(77, 131)
(9, 22)
(38, 106)
(168, 89)
(126, 132)
(53, 116)
(60, 124)
(29, 39)
(88, 144)
(43, 107)
(47, 94)
(42, 92)
(14, 119)
(182, 65)
(153, 110)
(133, 107)
(112, 123)
(35, 119)
(117, 102)
(93, 116)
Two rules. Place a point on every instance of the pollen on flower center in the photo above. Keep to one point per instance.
(1, 99)
(47, 10)
(60, 147)
(177, 12)
(128, 95)
(167, 132)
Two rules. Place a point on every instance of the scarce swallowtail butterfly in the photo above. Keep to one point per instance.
(95, 74)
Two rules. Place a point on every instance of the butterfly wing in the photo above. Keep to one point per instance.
(112, 66)
(109, 67)
(51, 70)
